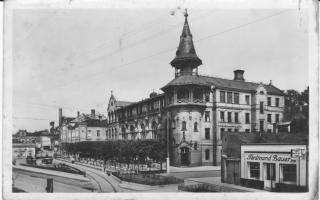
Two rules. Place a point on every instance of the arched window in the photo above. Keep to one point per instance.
(123, 132)
(207, 152)
(184, 126)
(198, 94)
(195, 127)
(183, 95)
(143, 131)
(154, 130)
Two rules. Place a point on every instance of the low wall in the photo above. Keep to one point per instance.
(204, 187)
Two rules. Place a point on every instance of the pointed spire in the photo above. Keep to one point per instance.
(186, 50)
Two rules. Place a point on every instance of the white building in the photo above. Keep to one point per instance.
(279, 167)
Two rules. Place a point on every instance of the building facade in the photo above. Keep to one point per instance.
(194, 110)
(84, 127)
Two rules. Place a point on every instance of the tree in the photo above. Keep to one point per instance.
(305, 95)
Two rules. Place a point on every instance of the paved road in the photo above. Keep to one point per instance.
(35, 184)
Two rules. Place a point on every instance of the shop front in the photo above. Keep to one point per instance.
(274, 167)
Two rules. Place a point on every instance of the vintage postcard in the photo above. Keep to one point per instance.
(160, 99)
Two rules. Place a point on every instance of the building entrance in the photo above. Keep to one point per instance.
(184, 156)
(269, 175)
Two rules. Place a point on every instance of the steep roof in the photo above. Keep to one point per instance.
(221, 83)
(186, 50)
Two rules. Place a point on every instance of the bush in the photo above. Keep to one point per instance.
(148, 179)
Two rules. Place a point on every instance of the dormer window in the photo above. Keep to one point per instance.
(261, 92)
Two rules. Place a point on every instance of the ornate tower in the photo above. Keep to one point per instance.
(186, 106)
(186, 61)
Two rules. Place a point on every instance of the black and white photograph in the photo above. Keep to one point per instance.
(141, 99)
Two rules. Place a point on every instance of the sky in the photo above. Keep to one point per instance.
(74, 58)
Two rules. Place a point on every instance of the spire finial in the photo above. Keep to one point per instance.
(186, 13)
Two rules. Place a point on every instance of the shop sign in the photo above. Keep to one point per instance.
(272, 157)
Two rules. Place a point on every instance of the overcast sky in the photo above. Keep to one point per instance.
(73, 58)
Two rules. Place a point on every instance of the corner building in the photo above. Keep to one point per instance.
(195, 109)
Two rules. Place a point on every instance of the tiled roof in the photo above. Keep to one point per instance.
(221, 83)
(89, 120)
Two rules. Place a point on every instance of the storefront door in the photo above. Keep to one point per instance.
(269, 175)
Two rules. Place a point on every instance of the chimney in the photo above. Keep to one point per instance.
(93, 113)
(238, 75)
(100, 117)
(60, 117)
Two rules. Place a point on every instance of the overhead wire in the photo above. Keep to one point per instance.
(170, 49)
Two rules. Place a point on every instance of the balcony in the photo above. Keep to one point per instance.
(187, 101)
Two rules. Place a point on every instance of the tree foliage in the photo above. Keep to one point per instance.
(123, 151)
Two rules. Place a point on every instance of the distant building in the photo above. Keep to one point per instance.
(194, 110)
(84, 127)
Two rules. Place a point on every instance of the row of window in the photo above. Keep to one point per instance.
(269, 100)
(235, 117)
(289, 173)
(269, 118)
(231, 97)
(230, 130)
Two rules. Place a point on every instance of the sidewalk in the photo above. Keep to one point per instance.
(193, 169)
(217, 182)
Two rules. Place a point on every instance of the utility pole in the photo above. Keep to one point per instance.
(168, 149)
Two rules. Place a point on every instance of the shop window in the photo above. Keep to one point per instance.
(229, 97)
(207, 116)
(229, 117)
(289, 172)
(247, 99)
(236, 117)
(195, 127)
(184, 126)
(207, 152)
(269, 101)
(222, 116)
(254, 170)
(277, 102)
(222, 96)
(236, 98)
(207, 133)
